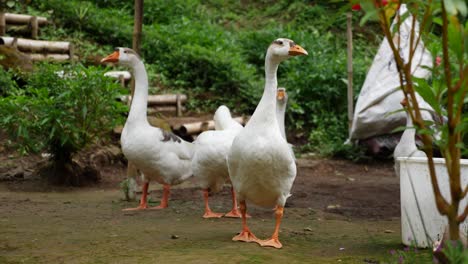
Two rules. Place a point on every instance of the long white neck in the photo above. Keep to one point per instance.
(280, 112)
(410, 131)
(266, 108)
(139, 104)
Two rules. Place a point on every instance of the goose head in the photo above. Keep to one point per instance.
(281, 95)
(123, 56)
(283, 48)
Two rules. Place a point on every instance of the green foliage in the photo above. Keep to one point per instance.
(6, 82)
(214, 51)
(409, 255)
(61, 110)
(456, 253)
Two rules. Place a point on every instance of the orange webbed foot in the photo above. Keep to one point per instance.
(158, 207)
(235, 214)
(141, 207)
(246, 236)
(272, 242)
(211, 214)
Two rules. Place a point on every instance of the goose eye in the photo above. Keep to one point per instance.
(278, 42)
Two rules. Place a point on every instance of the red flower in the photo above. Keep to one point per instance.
(384, 2)
(356, 7)
(438, 60)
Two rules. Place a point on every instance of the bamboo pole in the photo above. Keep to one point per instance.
(2, 24)
(122, 76)
(163, 108)
(18, 19)
(178, 105)
(161, 99)
(34, 25)
(198, 127)
(136, 43)
(44, 57)
(137, 26)
(30, 45)
(71, 52)
(126, 75)
(350, 71)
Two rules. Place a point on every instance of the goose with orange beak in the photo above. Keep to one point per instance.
(160, 155)
(281, 103)
(261, 164)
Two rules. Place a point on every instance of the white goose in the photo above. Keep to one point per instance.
(407, 145)
(160, 155)
(281, 102)
(261, 165)
(209, 159)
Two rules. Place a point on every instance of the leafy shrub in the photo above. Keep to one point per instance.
(214, 51)
(61, 110)
(105, 25)
(6, 82)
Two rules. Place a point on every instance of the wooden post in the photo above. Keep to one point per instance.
(71, 53)
(2, 24)
(138, 24)
(349, 34)
(178, 105)
(137, 28)
(33, 23)
(122, 80)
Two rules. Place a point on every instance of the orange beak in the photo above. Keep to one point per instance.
(297, 50)
(280, 94)
(114, 57)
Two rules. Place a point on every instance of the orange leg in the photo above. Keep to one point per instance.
(234, 212)
(245, 235)
(274, 240)
(165, 198)
(208, 212)
(143, 201)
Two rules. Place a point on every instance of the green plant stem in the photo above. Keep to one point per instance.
(452, 160)
(454, 136)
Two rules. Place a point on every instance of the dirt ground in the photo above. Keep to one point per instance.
(339, 212)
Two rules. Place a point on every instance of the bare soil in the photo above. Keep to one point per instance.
(339, 211)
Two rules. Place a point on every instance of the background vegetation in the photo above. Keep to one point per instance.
(61, 110)
(214, 50)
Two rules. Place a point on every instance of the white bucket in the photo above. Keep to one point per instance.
(421, 222)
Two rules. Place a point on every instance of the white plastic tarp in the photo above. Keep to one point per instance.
(381, 94)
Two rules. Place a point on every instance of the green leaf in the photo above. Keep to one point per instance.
(455, 35)
(437, 21)
(10, 3)
(460, 5)
(450, 7)
(427, 93)
(465, 33)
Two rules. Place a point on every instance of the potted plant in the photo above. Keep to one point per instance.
(438, 182)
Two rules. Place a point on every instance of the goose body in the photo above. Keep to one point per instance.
(261, 165)
(209, 159)
(160, 155)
